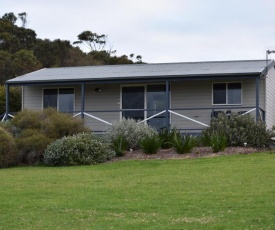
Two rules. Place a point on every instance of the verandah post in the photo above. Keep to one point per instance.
(257, 98)
(7, 101)
(82, 100)
(167, 100)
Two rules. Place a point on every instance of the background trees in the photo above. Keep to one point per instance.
(22, 52)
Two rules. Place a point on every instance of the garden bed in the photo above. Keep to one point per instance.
(195, 153)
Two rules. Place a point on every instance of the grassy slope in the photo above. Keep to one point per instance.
(228, 192)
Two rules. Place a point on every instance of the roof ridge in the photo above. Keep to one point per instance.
(164, 63)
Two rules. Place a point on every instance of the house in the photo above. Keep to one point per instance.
(184, 95)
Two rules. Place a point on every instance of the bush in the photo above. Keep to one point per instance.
(131, 131)
(14, 99)
(151, 144)
(50, 122)
(167, 137)
(80, 149)
(27, 119)
(8, 149)
(183, 144)
(205, 139)
(119, 145)
(218, 142)
(34, 130)
(240, 129)
(31, 144)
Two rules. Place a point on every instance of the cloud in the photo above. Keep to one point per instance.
(159, 30)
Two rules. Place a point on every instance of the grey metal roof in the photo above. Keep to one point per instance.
(143, 71)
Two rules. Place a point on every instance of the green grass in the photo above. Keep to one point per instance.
(227, 192)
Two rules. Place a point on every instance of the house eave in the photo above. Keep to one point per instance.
(139, 79)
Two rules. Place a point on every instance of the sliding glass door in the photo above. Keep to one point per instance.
(133, 99)
(155, 98)
(150, 99)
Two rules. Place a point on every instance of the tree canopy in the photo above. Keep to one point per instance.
(22, 52)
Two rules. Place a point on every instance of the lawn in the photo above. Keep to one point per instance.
(226, 192)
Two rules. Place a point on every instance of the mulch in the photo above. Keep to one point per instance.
(198, 152)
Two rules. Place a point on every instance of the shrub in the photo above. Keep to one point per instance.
(31, 144)
(183, 144)
(240, 129)
(205, 139)
(151, 144)
(14, 99)
(119, 145)
(34, 130)
(218, 142)
(8, 149)
(27, 119)
(80, 149)
(131, 131)
(167, 137)
(57, 125)
(50, 122)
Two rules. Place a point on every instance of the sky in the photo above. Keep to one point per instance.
(161, 31)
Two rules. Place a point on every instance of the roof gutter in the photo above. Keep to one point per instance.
(136, 79)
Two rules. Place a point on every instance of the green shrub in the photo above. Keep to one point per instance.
(80, 149)
(167, 137)
(50, 122)
(131, 131)
(240, 129)
(31, 144)
(34, 130)
(14, 99)
(27, 119)
(119, 145)
(151, 144)
(57, 125)
(8, 149)
(218, 142)
(205, 139)
(183, 144)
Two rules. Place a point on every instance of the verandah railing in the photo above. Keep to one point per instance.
(176, 116)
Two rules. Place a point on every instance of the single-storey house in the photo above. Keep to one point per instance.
(182, 95)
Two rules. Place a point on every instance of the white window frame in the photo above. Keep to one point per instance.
(226, 93)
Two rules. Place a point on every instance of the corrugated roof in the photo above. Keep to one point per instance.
(137, 71)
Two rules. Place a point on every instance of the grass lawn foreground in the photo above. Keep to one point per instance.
(226, 192)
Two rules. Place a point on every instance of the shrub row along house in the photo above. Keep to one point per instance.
(184, 95)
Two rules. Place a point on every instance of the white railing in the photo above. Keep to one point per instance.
(188, 118)
(157, 114)
(4, 117)
(94, 117)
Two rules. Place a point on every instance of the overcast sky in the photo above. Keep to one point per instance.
(159, 30)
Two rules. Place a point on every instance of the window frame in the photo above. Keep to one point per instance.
(226, 93)
(58, 89)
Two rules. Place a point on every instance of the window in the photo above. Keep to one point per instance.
(61, 99)
(227, 93)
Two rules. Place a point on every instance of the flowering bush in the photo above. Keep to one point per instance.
(80, 149)
(131, 131)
